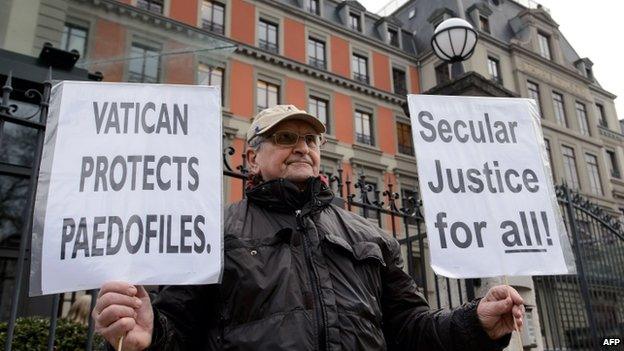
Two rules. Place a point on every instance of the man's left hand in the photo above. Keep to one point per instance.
(500, 311)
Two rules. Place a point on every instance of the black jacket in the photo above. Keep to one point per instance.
(302, 274)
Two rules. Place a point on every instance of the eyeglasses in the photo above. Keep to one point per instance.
(289, 139)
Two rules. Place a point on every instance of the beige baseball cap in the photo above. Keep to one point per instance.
(270, 117)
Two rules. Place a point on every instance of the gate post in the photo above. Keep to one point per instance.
(580, 268)
(28, 212)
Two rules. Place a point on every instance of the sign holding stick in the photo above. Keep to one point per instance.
(489, 201)
(129, 187)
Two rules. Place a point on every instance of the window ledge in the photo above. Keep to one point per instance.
(367, 148)
(405, 158)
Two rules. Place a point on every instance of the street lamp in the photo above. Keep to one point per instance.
(454, 41)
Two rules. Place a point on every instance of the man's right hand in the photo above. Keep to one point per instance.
(125, 310)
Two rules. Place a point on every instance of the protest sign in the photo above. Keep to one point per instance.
(489, 202)
(129, 187)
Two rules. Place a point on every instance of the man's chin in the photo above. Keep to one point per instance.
(300, 178)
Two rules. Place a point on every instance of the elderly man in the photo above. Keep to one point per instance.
(301, 273)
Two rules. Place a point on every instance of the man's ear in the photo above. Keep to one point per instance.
(251, 161)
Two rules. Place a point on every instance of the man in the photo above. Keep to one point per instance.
(300, 273)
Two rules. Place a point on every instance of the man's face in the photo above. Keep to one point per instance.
(296, 163)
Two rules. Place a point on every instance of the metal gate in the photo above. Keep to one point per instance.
(578, 311)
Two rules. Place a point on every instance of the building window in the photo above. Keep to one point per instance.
(360, 68)
(393, 37)
(399, 81)
(319, 108)
(316, 53)
(144, 64)
(533, 91)
(602, 117)
(581, 114)
(155, 6)
(404, 136)
(209, 75)
(569, 167)
(74, 38)
(363, 128)
(267, 34)
(213, 14)
(544, 45)
(594, 174)
(267, 95)
(355, 22)
(412, 13)
(494, 70)
(559, 109)
(442, 72)
(313, 6)
(614, 168)
(549, 151)
(484, 22)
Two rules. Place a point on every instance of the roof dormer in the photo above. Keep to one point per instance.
(585, 67)
(351, 13)
(440, 15)
(389, 29)
(479, 13)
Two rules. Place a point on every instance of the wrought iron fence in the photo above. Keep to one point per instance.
(578, 311)
(574, 310)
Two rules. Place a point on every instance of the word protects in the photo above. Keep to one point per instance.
(106, 235)
(123, 172)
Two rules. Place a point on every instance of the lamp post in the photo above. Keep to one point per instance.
(454, 41)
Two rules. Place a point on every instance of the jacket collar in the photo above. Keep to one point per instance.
(283, 195)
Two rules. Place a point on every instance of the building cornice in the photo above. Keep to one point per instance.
(560, 68)
(552, 126)
(600, 90)
(340, 29)
(157, 20)
(611, 134)
(201, 34)
(308, 70)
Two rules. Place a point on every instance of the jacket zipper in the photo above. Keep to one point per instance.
(320, 321)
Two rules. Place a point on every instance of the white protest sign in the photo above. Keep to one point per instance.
(489, 203)
(129, 187)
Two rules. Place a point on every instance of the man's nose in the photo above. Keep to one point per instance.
(301, 146)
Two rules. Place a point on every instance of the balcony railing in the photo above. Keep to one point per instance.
(615, 173)
(603, 123)
(318, 63)
(361, 77)
(268, 46)
(212, 26)
(406, 149)
(400, 89)
(364, 139)
(151, 6)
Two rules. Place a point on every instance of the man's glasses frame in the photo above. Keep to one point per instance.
(288, 138)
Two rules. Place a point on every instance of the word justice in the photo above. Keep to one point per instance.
(489, 178)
